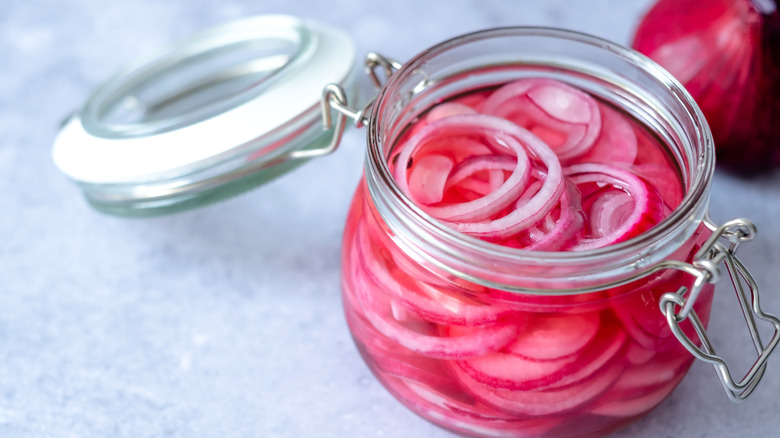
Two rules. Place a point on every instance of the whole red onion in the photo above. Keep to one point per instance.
(727, 54)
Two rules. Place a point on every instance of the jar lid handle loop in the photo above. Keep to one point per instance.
(712, 253)
(389, 66)
(335, 98)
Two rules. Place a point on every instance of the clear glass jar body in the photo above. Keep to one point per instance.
(436, 314)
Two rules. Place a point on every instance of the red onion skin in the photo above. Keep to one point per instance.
(734, 75)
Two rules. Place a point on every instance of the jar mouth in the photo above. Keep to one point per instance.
(695, 159)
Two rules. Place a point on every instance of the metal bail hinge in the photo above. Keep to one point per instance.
(334, 98)
(720, 248)
(389, 66)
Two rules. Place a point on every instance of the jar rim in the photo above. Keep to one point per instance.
(693, 205)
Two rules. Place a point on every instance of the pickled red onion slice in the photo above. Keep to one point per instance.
(555, 336)
(470, 417)
(448, 109)
(428, 178)
(642, 387)
(561, 101)
(568, 119)
(601, 353)
(637, 354)
(630, 407)
(484, 195)
(435, 306)
(617, 142)
(638, 379)
(554, 235)
(440, 111)
(475, 186)
(479, 163)
(417, 336)
(535, 401)
(664, 179)
(393, 359)
(427, 302)
(380, 313)
(539, 205)
(627, 207)
(458, 149)
(512, 372)
(475, 99)
(506, 371)
(512, 139)
(486, 205)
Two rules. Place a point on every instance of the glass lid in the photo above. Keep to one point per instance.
(207, 118)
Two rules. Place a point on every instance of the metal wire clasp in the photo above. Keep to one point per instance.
(720, 248)
(334, 98)
(374, 60)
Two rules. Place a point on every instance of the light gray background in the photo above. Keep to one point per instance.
(226, 321)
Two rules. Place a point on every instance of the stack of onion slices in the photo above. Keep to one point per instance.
(536, 164)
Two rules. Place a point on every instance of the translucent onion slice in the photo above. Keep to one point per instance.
(627, 210)
(448, 109)
(429, 177)
(462, 413)
(567, 119)
(533, 401)
(477, 185)
(475, 164)
(378, 311)
(665, 180)
(617, 142)
(514, 140)
(463, 176)
(556, 235)
(426, 301)
(552, 337)
(474, 99)
(440, 111)
(416, 335)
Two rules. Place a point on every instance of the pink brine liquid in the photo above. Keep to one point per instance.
(538, 165)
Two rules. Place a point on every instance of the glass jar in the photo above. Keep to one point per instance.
(487, 340)
(433, 312)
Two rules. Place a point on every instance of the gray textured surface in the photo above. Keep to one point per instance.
(226, 321)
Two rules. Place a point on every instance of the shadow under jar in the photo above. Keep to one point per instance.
(485, 339)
